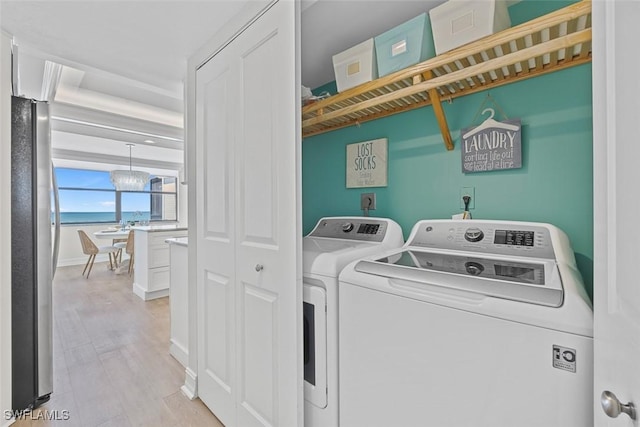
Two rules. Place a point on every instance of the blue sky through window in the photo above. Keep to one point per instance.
(79, 178)
(95, 201)
(87, 201)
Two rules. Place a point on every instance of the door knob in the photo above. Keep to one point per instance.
(612, 406)
(259, 267)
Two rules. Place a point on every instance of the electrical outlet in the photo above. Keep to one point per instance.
(468, 191)
(368, 201)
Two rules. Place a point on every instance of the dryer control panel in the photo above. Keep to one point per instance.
(352, 228)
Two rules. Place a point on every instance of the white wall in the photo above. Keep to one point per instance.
(5, 226)
(71, 249)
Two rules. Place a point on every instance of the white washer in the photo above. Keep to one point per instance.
(333, 243)
(472, 323)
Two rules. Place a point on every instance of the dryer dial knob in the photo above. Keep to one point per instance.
(347, 227)
(473, 234)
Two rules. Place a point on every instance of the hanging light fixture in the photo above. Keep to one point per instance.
(129, 180)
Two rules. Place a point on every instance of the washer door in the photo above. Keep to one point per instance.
(315, 345)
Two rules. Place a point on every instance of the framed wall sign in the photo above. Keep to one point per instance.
(492, 146)
(367, 164)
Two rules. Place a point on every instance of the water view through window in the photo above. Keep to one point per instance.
(88, 196)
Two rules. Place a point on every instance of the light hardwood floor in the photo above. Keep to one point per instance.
(111, 361)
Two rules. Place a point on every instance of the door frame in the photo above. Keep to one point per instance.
(5, 224)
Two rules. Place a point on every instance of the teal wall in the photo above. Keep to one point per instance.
(424, 179)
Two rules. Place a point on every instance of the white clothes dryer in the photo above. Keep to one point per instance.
(333, 243)
(471, 323)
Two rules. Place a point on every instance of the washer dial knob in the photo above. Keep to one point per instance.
(347, 227)
(473, 234)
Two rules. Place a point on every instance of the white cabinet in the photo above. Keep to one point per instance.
(178, 295)
(151, 260)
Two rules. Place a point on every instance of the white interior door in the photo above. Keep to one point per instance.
(616, 106)
(268, 285)
(215, 84)
(249, 227)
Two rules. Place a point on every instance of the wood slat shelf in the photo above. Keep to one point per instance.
(552, 42)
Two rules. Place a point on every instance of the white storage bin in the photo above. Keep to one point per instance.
(405, 45)
(355, 66)
(458, 22)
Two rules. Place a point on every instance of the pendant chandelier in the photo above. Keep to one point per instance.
(129, 180)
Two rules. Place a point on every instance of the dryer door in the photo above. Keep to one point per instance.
(315, 345)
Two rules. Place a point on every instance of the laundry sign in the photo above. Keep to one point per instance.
(367, 164)
(492, 145)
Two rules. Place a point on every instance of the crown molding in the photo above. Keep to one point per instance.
(109, 159)
(73, 119)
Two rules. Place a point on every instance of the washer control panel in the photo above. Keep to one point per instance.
(353, 228)
(503, 238)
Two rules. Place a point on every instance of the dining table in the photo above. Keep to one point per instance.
(112, 234)
(116, 235)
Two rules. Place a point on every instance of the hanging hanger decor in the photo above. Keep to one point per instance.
(491, 145)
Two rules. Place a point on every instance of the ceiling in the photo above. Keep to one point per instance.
(146, 41)
(112, 70)
(122, 64)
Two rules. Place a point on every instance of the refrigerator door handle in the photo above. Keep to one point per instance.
(44, 245)
(56, 210)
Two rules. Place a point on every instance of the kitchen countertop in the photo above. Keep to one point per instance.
(180, 241)
(154, 228)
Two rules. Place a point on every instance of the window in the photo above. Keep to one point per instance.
(88, 196)
(163, 198)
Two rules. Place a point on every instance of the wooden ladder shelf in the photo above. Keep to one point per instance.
(553, 42)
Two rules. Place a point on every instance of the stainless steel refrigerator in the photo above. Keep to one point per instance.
(33, 254)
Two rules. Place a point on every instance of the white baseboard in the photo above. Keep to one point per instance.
(7, 423)
(147, 295)
(178, 351)
(190, 387)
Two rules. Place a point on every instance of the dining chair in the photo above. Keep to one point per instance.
(121, 244)
(128, 247)
(120, 247)
(90, 248)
